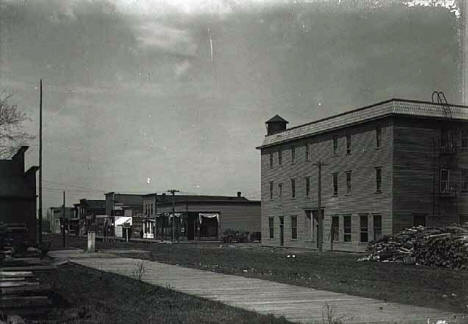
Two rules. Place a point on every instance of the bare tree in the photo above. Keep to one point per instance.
(11, 127)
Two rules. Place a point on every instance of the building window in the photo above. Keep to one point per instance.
(280, 157)
(444, 180)
(464, 138)
(419, 219)
(335, 235)
(271, 160)
(294, 227)
(280, 190)
(307, 153)
(271, 228)
(364, 228)
(348, 181)
(293, 188)
(377, 227)
(464, 180)
(347, 228)
(307, 186)
(335, 184)
(335, 144)
(444, 138)
(378, 179)
(271, 189)
(348, 144)
(378, 137)
(293, 154)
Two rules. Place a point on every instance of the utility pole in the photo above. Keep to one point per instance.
(319, 164)
(173, 191)
(64, 221)
(40, 162)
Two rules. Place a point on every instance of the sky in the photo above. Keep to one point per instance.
(143, 96)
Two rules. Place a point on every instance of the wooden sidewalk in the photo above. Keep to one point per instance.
(297, 304)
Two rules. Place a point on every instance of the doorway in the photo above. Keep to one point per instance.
(281, 230)
(313, 221)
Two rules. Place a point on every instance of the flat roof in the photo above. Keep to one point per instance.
(382, 109)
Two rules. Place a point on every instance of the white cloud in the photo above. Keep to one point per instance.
(177, 41)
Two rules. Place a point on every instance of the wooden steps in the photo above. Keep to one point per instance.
(21, 293)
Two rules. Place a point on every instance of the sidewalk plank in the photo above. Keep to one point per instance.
(296, 303)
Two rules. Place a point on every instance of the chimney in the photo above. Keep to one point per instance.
(239, 194)
(275, 125)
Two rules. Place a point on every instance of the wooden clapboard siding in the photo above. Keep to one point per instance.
(410, 158)
(362, 161)
(417, 164)
(237, 216)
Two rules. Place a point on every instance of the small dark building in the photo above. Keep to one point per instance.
(124, 205)
(86, 211)
(18, 194)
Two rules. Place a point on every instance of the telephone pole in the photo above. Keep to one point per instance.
(173, 191)
(40, 162)
(319, 164)
(64, 222)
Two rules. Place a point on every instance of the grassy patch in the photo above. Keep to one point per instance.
(415, 285)
(98, 297)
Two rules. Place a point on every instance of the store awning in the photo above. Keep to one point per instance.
(121, 221)
(208, 215)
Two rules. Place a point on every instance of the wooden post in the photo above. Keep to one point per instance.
(40, 162)
(64, 221)
(173, 191)
(319, 164)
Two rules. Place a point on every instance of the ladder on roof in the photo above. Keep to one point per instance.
(439, 98)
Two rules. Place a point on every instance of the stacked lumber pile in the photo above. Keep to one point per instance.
(440, 247)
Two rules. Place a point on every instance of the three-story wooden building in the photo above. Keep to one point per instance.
(384, 167)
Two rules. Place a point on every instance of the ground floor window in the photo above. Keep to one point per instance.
(294, 227)
(364, 228)
(419, 219)
(444, 180)
(377, 227)
(464, 180)
(335, 234)
(347, 228)
(271, 224)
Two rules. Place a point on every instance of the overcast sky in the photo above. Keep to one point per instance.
(133, 90)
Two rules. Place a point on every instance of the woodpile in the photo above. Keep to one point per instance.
(439, 247)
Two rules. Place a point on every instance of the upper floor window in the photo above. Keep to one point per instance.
(280, 156)
(464, 180)
(335, 184)
(464, 138)
(280, 189)
(293, 227)
(293, 154)
(271, 189)
(378, 179)
(378, 137)
(335, 144)
(271, 160)
(348, 181)
(444, 180)
(307, 186)
(307, 152)
(293, 188)
(446, 139)
(348, 144)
